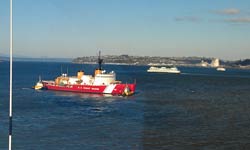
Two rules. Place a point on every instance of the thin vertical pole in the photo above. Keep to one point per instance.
(10, 109)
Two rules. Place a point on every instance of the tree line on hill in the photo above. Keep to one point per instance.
(145, 60)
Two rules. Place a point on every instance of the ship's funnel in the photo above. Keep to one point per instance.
(80, 74)
(98, 71)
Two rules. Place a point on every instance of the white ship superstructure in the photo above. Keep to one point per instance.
(170, 69)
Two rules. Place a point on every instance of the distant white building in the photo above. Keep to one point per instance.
(215, 63)
(204, 64)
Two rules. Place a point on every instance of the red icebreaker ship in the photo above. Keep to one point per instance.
(101, 82)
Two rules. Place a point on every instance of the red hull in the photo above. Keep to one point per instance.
(114, 89)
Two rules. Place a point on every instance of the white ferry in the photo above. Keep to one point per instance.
(170, 69)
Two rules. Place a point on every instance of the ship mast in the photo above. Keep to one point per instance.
(100, 61)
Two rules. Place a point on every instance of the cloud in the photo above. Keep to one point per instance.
(238, 20)
(188, 19)
(228, 11)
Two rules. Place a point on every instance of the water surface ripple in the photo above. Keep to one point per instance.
(199, 109)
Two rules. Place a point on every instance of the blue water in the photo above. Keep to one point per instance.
(199, 109)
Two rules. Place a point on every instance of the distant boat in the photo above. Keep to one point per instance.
(169, 69)
(221, 69)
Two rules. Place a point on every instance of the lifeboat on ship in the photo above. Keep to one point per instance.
(101, 82)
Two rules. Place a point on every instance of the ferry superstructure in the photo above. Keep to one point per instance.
(170, 69)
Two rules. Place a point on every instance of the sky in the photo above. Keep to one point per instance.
(75, 28)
